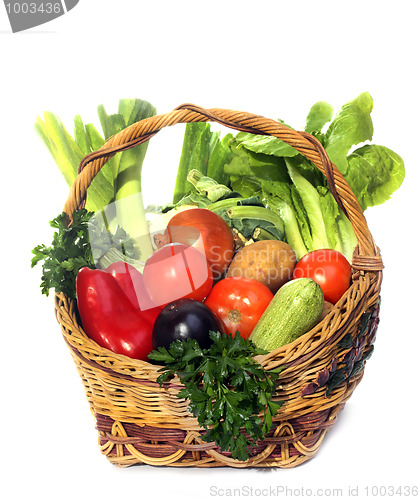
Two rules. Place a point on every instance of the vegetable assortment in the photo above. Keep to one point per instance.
(250, 254)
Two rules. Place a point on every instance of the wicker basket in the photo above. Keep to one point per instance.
(140, 423)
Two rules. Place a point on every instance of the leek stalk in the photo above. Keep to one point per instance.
(116, 189)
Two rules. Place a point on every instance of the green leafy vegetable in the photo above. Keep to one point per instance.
(265, 144)
(330, 212)
(226, 388)
(252, 165)
(207, 186)
(319, 115)
(220, 155)
(352, 126)
(374, 173)
(310, 199)
(279, 199)
(71, 250)
(298, 192)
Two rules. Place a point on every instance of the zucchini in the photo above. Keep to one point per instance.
(294, 310)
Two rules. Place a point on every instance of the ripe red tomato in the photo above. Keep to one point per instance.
(175, 272)
(329, 268)
(207, 232)
(239, 303)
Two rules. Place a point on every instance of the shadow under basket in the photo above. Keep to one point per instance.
(140, 422)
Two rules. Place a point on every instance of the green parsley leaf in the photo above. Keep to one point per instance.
(229, 393)
(71, 250)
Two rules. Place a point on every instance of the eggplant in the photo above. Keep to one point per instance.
(184, 319)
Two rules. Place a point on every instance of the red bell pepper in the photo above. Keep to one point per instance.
(115, 309)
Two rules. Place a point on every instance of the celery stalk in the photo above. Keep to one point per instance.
(196, 148)
(291, 226)
(252, 212)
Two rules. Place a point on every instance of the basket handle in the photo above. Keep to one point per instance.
(366, 255)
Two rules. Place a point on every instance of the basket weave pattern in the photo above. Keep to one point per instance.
(141, 423)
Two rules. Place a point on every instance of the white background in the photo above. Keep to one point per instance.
(271, 58)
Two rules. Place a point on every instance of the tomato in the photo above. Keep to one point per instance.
(239, 303)
(329, 268)
(177, 271)
(207, 232)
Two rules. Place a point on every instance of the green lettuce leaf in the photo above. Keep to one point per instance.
(347, 235)
(352, 126)
(257, 166)
(319, 115)
(374, 173)
(311, 201)
(330, 212)
(220, 155)
(302, 218)
(265, 144)
(245, 186)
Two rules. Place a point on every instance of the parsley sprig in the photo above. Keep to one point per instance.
(226, 388)
(71, 249)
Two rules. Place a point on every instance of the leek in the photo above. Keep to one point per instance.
(116, 189)
(68, 155)
(127, 174)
